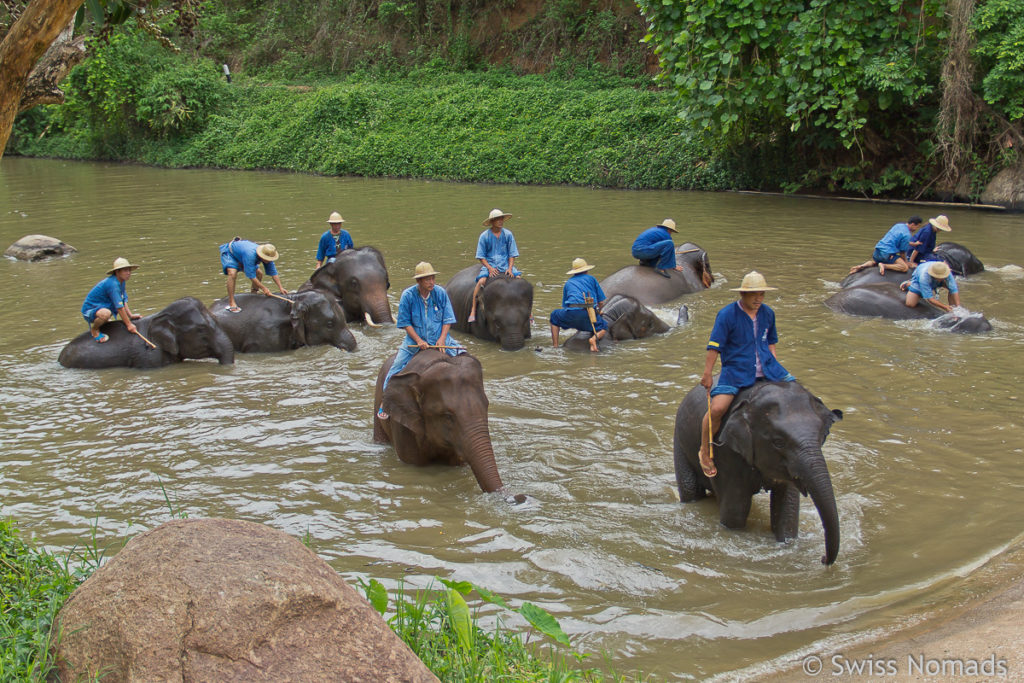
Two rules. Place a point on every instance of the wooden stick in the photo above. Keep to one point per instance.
(278, 296)
(687, 251)
(711, 437)
(145, 340)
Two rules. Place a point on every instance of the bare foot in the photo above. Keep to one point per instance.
(856, 269)
(593, 345)
(707, 465)
(881, 269)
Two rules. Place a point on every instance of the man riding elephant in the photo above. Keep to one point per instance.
(654, 248)
(239, 254)
(926, 281)
(109, 299)
(497, 252)
(582, 299)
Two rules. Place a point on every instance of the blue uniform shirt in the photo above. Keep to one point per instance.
(579, 286)
(108, 293)
(896, 241)
(733, 338)
(241, 255)
(924, 285)
(649, 245)
(426, 317)
(497, 250)
(926, 236)
(330, 247)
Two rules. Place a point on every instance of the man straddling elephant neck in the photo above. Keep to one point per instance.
(925, 282)
(333, 241)
(924, 241)
(239, 254)
(581, 295)
(654, 248)
(426, 314)
(109, 299)
(890, 249)
(744, 336)
(497, 252)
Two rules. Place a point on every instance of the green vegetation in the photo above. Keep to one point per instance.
(436, 624)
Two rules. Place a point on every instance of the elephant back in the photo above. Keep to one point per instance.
(879, 300)
(961, 260)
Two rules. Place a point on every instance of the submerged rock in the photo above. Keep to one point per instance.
(225, 600)
(1006, 189)
(39, 248)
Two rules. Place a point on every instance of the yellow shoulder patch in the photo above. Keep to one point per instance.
(713, 343)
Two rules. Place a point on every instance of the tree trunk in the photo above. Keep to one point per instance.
(43, 85)
(27, 41)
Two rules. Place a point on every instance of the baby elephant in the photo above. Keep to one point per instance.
(265, 323)
(627, 318)
(770, 439)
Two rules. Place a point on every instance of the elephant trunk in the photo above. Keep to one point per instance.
(512, 341)
(379, 311)
(225, 350)
(475, 448)
(814, 474)
(346, 340)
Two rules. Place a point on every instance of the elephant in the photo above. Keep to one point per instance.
(438, 414)
(887, 300)
(649, 288)
(627, 318)
(309, 318)
(503, 308)
(960, 259)
(185, 329)
(358, 279)
(771, 439)
(871, 276)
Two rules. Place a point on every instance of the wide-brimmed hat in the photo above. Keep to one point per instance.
(120, 263)
(938, 270)
(496, 213)
(579, 266)
(267, 252)
(335, 218)
(669, 224)
(940, 222)
(423, 269)
(753, 282)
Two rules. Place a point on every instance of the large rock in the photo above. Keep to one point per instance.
(1006, 189)
(223, 600)
(39, 248)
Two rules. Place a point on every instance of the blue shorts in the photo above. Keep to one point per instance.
(729, 389)
(484, 272)
(90, 315)
(227, 259)
(576, 319)
(879, 257)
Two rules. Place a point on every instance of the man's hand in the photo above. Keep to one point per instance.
(423, 345)
(135, 316)
(130, 326)
(492, 271)
(705, 381)
(284, 291)
(904, 285)
(679, 267)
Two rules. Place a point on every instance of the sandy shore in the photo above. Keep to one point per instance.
(980, 640)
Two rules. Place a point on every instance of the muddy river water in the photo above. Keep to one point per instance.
(926, 466)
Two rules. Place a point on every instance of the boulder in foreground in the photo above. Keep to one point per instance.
(39, 248)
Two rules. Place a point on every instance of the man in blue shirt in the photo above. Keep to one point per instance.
(334, 241)
(425, 312)
(744, 337)
(580, 293)
(239, 254)
(925, 241)
(654, 247)
(890, 249)
(497, 252)
(924, 282)
(109, 298)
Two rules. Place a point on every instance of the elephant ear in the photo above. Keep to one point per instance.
(736, 433)
(164, 333)
(403, 401)
(298, 326)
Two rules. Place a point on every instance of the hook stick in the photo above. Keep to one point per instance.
(151, 344)
(278, 296)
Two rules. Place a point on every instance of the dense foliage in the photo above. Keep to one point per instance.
(999, 53)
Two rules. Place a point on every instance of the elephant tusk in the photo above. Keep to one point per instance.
(369, 320)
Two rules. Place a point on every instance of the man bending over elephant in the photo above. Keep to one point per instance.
(333, 241)
(580, 293)
(426, 314)
(925, 282)
(890, 249)
(497, 252)
(925, 241)
(744, 337)
(654, 248)
(109, 299)
(239, 254)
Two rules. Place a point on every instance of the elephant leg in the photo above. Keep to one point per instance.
(733, 508)
(785, 512)
(686, 478)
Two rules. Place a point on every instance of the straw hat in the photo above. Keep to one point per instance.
(496, 213)
(335, 218)
(938, 269)
(940, 222)
(669, 223)
(120, 263)
(267, 252)
(578, 266)
(753, 282)
(423, 269)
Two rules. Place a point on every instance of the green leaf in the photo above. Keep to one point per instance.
(544, 622)
(884, 100)
(490, 597)
(458, 612)
(96, 10)
(79, 17)
(377, 595)
(463, 587)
